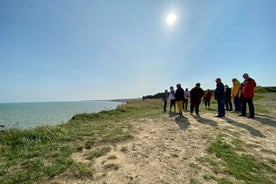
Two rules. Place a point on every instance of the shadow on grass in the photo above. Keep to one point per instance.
(250, 129)
(172, 114)
(266, 120)
(206, 121)
(182, 122)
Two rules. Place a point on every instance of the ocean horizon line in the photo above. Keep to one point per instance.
(83, 100)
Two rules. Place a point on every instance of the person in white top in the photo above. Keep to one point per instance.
(186, 97)
(172, 98)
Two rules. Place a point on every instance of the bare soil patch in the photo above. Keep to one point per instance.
(166, 149)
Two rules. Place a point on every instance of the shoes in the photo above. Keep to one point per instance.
(251, 117)
(242, 115)
(218, 116)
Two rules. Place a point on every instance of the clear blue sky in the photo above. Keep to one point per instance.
(103, 49)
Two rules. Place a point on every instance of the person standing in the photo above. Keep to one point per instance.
(196, 94)
(227, 95)
(236, 94)
(186, 97)
(207, 98)
(179, 98)
(172, 98)
(219, 96)
(248, 93)
(165, 99)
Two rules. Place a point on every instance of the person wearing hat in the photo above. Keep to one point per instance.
(219, 96)
(248, 93)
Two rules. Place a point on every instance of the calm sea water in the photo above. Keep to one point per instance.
(29, 115)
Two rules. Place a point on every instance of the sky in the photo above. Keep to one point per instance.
(104, 49)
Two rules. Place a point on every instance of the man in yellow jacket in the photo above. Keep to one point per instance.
(236, 94)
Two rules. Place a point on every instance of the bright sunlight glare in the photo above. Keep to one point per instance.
(171, 18)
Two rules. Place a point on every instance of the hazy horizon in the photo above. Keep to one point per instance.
(70, 50)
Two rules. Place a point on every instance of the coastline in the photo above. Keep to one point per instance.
(138, 143)
(33, 114)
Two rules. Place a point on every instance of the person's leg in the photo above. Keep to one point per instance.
(251, 108)
(179, 106)
(197, 108)
(221, 110)
(236, 103)
(191, 108)
(244, 102)
(186, 105)
(165, 105)
(174, 105)
(226, 105)
(230, 105)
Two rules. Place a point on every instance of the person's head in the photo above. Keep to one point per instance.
(197, 84)
(171, 88)
(245, 76)
(178, 85)
(208, 90)
(166, 91)
(186, 89)
(218, 80)
(226, 86)
(234, 80)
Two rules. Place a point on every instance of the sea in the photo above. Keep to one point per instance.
(32, 114)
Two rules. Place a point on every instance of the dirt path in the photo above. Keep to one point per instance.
(165, 150)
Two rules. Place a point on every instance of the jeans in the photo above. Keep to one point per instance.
(237, 103)
(221, 111)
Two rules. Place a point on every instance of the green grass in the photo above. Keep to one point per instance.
(40, 154)
(230, 161)
(98, 153)
(28, 156)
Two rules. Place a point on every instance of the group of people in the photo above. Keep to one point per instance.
(242, 94)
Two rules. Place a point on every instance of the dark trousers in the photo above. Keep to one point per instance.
(196, 107)
(221, 110)
(237, 103)
(207, 103)
(165, 105)
(185, 104)
(172, 104)
(250, 105)
(228, 104)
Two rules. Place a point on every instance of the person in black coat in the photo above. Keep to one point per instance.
(179, 98)
(219, 96)
(196, 94)
(227, 95)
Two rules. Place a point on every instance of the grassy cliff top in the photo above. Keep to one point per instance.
(138, 143)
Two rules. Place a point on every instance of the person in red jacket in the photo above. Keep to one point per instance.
(207, 98)
(248, 93)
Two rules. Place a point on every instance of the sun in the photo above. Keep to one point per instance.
(171, 18)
